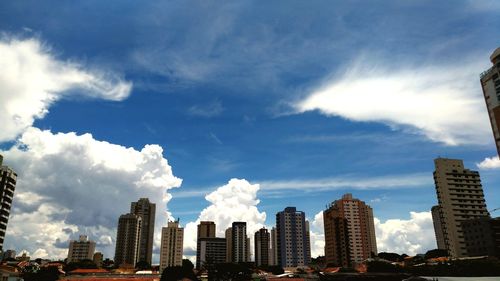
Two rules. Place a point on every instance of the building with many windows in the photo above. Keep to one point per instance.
(172, 241)
(127, 240)
(292, 238)
(206, 229)
(349, 231)
(146, 210)
(8, 179)
(239, 242)
(490, 82)
(460, 197)
(211, 251)
(81, 249)
(262, 241)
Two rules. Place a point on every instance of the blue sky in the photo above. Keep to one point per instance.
(309, 100)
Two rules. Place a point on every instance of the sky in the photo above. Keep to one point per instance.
(233, 110)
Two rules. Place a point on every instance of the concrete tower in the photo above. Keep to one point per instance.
(146, 210)
(127, 240)
(490, 82)
(8, 180)
(172, 241)
(292, 238)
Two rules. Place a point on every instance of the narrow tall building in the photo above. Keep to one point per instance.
(81, 249)
(349, 231)
(146, 210)
(127, 240)
(490, 82)
(229, 244)
(262, 241)
(292, 238)
(8, 179)
(171, 250)
(206, 229)
(239, 246)
(460, 197)
(273, 252)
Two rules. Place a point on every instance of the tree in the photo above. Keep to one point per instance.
(143, 265)
(50, 273)
(176, 273)
(390, 256)
(232, 271)
(436, 253)
(87, 264)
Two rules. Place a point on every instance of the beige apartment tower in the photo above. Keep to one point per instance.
(349, 231)
(490, 82)
(171, 250)
(146, 210)
(81, 249)
(460, 197)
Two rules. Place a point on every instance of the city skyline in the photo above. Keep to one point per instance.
(231, 112)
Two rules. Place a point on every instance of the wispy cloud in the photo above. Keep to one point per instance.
(207, 110)
(443, 103)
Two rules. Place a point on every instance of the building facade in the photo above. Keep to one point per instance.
(127, 240)
(273, 252)
(482, 236)
(438, 231)
(212, 251)
(229, 244)
(355, 217)
(336, 231)
(239, 242)
(490, 82)
(262, 240)
(81, 249)
(206, 229)
(8, 179)
(147, 211)
(292, 238)
(98, 258)
(460, 197)
(172, 241)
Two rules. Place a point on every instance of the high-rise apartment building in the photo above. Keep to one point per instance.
(273, 252)
(239, 242)
(482, 236)
(206, 229)
(262, 241)
(336, 229)
(353, 217)
(292, 238)
(127, 240)
(490, 82)
(146, 210)
(171, 250)
(81, 249)
(460, 197)
(211, 250)
(229, 244)
(8, 180)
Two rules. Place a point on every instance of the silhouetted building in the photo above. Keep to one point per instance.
(262, 241)
(490, 82)
(239, 246)
(212, 250)
(146, 210)
(81, 249)
(172, 241)
(229, 244)
(206, 229)
(482, 236)
(460, 197)
(273, 252)
(292, 238)
(8, 180)
(127, 240)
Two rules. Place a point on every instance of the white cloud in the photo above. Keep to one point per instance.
(207, 110)
(412, 236)
(317, 236)
(78, 185)
(32, 79)
(443, 103)
(489, 163)
(351, 182)
(235, 201)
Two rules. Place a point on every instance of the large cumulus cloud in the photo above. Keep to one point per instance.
(70, 184)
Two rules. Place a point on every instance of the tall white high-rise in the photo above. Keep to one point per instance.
(490, 82)
(172, 241)
(460, 197)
